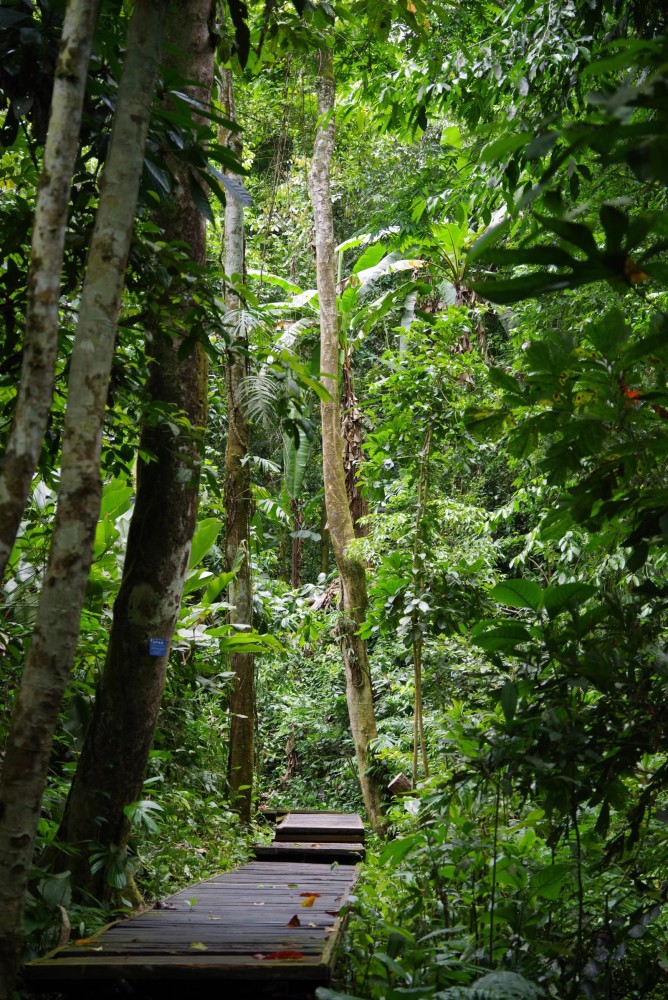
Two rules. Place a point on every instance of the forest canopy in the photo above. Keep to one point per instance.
(333, 414)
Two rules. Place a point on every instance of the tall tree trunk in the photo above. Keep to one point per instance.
(113, 761)
(54, 640)
(297, 511)
(353, 456)
(241, 761)
(40, 343)
(324, 540)
(351, 568)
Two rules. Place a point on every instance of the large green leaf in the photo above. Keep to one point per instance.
(502, 638)
(549, 883)
(566, 595)
(518, 594)
(206, 533)
(371, 256)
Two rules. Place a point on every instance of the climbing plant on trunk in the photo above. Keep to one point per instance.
(113, 761)
(54, 640)
(350, 565)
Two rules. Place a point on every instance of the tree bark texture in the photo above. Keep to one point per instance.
(353, 456)
(40, 343)
(241, 761)
(114, 757)
(297, 511)
(350, 566)
(54, 640)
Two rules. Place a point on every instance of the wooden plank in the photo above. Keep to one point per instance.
(344, 854)
(238, 918)
(321, 827)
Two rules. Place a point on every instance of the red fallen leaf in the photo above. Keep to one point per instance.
(314, 894)
(294, 921)
(286, 954)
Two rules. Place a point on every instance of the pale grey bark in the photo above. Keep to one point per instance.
(241, 762)
(53, 644)
(351, 567)
(112, 765)
(40, 342)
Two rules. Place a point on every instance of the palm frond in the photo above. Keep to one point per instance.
(258, 395)
(240, 323)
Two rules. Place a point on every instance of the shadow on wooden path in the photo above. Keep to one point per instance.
(267, 928)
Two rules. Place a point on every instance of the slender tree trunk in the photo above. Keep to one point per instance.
(113, 761)
(54, 640)
(241, 761)
(40, 343)
(324, 540)
(297, 510)
(351, 568)
(353, 456)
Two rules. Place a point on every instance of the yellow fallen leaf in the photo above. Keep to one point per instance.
(198, 946)
(309, 901)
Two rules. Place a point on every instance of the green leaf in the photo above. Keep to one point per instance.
(396, 850)
(158, 179)
(324, 993)
(116, 498)
(371, 256)
(556, 598)
(502, 985)
(201, 201)
(505, 291)
(218, 583)
(231, 184)
(508, 699)
(503, 145)
(518, 594)
(549, 883)
(502, 638)
(206, 533)
(572, 232)
(502, 380)
(56, 890)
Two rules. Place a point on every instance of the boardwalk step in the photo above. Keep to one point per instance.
(274, 921)
(343, 854)
(321, 827)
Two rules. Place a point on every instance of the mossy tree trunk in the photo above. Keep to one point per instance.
(40, 342)
(49, 660)
(114, 757)
(241, 761)
(350, 565)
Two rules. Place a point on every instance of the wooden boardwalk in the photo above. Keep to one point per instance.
(269, 927)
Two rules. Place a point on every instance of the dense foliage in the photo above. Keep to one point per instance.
(500, 206)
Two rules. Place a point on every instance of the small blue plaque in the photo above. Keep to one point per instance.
(157, 647)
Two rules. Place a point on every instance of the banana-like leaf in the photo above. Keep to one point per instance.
(295, 460)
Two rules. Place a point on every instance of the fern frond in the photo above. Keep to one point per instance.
(493, 986)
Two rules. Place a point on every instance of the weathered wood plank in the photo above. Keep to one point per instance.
(343, 854)
(237, 921)
(322, 827)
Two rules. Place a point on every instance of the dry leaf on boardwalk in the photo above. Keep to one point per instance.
(286, 955)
